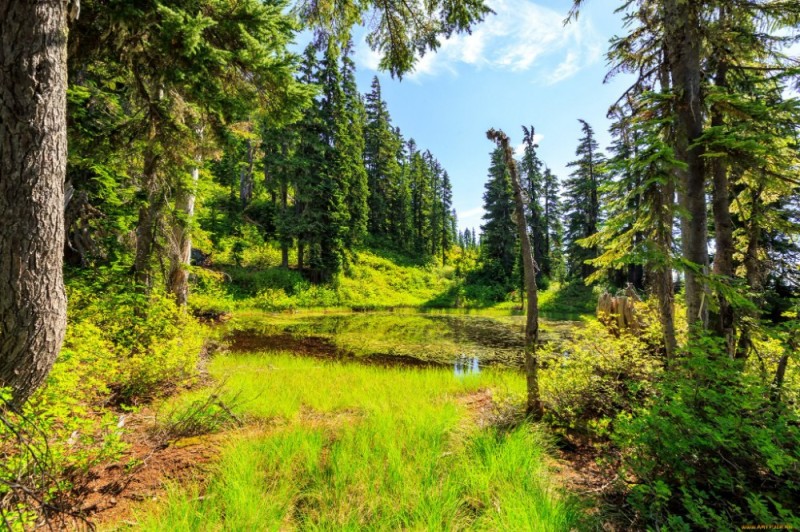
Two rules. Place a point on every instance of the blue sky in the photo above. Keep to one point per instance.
(521, 66)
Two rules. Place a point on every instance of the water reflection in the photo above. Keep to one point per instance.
(465, 365)
(467, 342)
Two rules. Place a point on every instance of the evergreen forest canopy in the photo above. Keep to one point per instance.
(198, 168)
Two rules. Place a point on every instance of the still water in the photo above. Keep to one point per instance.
(465, 342)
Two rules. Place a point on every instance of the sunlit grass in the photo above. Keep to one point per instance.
(352, 447)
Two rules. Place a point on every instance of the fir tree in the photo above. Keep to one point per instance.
(380, 158)
(499, 233)
(533, 181)
(582, 203)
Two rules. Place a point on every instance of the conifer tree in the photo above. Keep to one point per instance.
(533, 181)
(380, 158)
(499, 233)
(552, 264)
(352, 152)
(421, 199)
(447, 235)
(582, 205)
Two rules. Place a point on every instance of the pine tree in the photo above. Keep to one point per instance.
(351, 146)
(499, 233)
(447, 238)
(380, 158)
(552, 264)
(582, 205)
(533, 183)
(421, 199)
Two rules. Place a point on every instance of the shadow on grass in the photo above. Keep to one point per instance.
(569, 299)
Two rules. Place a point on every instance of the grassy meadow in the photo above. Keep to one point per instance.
(342, 446)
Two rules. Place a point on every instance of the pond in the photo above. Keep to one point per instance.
(464, 341)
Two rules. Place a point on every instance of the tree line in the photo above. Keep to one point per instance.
(344, 176)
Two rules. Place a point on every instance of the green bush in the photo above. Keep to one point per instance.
(711, 450)
(249, 282)
(590, 378)
(133, 345)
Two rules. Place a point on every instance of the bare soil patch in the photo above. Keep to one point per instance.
(144, 470)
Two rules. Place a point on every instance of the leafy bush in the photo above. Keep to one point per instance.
(133, 345)
(47, 451)
(710, 449)
(592, 377)
(249, 282)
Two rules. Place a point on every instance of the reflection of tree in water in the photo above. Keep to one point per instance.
(465, 365)
(484, 332)
(442, 339)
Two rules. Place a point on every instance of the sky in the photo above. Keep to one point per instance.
(521, 66)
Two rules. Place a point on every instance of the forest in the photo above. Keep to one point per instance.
(235, 296)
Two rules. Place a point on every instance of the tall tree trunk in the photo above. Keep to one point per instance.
(663, 204)
(147, 224)
(723, 226)
(752, 266)
(534, 402)
(181, 245)
(246, 179)
(662, 271)
(33, 158)
(683, 42)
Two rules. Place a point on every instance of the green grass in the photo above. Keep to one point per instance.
(351, 447)
(371, 280)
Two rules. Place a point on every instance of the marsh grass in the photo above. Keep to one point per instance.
(352, 447)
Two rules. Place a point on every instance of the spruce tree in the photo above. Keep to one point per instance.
(582, 205)
(552, 264)
(499, 233)
(533, 182)
(351, 146)
(380, 158)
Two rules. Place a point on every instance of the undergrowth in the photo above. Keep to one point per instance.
(121, 349)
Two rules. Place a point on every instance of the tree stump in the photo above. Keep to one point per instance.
(618, 313)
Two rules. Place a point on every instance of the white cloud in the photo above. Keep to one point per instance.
(471, 218)
(477, 212)
(519, 149)
(522, 36)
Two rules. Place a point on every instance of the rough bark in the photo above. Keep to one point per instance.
(535, 408)
(723, 229)
(147, 224)
(683, 42)
(662, 202)
(33, 156)
(753, 270)
(662, 273)
(181, 245)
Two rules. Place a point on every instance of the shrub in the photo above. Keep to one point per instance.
(589, 379)
(134, 345)
(710, 449)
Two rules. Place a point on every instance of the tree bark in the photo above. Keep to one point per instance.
(662, 202)
(33, 157)
(147, 224)
(683, 42)
(181, 245)
(534, 401)
(753, 269)
(723, 227)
